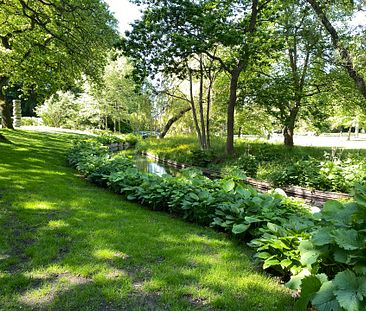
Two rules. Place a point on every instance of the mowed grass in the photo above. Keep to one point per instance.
(68, 245)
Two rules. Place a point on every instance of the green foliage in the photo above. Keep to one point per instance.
(330, 174)
(278, 247)
(317, 168)
(201, 158)
(49, 45)
(107, 138)
(249, 164)
(31, 121)
(60, 110)
(337, 248)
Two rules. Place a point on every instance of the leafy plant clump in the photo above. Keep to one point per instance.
(108, 138)
(329, 174)
(335, 258)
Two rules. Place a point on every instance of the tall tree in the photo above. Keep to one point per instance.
(50, 43)
(285, 89)
(337, 41)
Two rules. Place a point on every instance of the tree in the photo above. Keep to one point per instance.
(285, 90)
(338, 43)
(48, 44)
(120, 102)
(171, 32)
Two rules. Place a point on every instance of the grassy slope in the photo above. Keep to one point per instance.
(67, 245)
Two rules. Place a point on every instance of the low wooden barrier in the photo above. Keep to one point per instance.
(118, 146)
(314, 197)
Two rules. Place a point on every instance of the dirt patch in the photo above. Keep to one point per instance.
(47, 291)
(197, 303)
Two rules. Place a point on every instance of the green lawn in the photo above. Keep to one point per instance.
(68, 245)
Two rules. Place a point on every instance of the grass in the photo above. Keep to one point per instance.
(68, 245)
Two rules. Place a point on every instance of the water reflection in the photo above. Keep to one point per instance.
(150, 166)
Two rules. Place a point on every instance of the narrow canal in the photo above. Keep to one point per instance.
(147, 165)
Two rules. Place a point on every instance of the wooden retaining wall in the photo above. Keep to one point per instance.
(118, 146)
(314, 197)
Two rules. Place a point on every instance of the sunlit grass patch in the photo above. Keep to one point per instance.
(68, 245)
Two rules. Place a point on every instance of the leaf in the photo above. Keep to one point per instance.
(270, 262)
(325, 300)
(194, 196)
(335, 212)
(322, 237)
(263, 255)
(237, 229)
(131, 197)
(243, 192)
(308, 254)
(228, 185)
(349, 290)
(360, 269)
(347, 239)
(286, 262)
(295, 281)
(250, 219)
(274, 227)
(309, 286)
(341, 255)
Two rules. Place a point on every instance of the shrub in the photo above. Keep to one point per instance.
(31, 121)
(335, 259)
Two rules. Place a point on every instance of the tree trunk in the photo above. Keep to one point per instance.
(5, 109)
(5, 106)
(349, 133)
(345, 54)
(230, 112)
(288, 134)
(200, 104)
(194, 113)
(288, 130)
(172, 120)
(209, 92)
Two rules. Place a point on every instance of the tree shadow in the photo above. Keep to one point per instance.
(68, 245)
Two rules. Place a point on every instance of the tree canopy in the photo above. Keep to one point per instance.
(48, 44)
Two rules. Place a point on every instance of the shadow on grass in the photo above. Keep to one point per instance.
(68, 245)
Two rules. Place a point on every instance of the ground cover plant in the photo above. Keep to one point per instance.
(313, 167)
(321, 255)
(68, 245)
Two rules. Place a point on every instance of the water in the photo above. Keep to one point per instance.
(150, 166)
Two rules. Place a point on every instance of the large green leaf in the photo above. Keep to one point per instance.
(347, 239)
(309, 255)
(228, 185)
(309, 286)
(335, 212)
(350, 290)
(295, 281)
(270, 262)
(322, 237)
(325, 300)
(341, 255)
(237, 229)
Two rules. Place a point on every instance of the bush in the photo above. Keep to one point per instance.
(334, 257)
(249, 165)
(31, 121)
